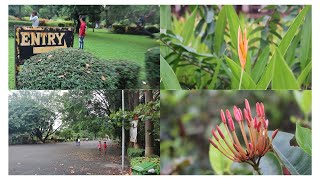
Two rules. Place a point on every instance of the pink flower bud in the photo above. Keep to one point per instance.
(213, 144)
(275, 133)
(214, 134)
(258, 109)
(250, 146)
(230, 121)
(247, 106)
(246, 116)
(262, 110)
(219, 131)
(236, 113)
(223, 117)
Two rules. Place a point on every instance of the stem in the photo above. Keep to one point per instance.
(256, 167)
(240, 79)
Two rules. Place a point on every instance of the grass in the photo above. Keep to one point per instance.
(105, 45)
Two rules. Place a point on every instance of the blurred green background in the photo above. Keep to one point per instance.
(187, 118)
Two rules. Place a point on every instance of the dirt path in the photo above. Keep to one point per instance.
(65, 159)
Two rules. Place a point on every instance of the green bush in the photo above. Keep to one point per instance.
(139, 160)
(13, 18)
(152, 29)
(128, 72)
(71, 69)
(118, 28)
(132, 152)
(133, 29)
(152, 62)
(12, 23)
(59, 23)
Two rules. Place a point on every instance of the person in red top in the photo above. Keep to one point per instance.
(82, 31)
(99, 146)
(105, 147)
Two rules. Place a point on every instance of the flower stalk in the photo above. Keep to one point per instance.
(254, 133)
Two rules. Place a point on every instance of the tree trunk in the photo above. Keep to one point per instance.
(148, 128)
(19, 12)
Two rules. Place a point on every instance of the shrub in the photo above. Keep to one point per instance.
(152, 29)
(42, 22)
(13, 18)
(70, 69)
(12, 23)
(139, 160)
(133, 29)
(128, 72)
(152, 67)
(132, 152)
(118, 28)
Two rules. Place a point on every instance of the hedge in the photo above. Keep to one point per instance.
(133, 152)
(71, 68)
(152, 64)
(139, 160)
(12, 23)
(134, 29)
(118, 28)
(128, 74)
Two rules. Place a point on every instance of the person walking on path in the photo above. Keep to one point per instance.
(34, 19)
(82, 31)
(100, 146)
(105, 148)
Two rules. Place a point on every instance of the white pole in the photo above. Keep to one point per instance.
(122, 131)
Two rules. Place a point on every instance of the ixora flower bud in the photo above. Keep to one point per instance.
(257, 141)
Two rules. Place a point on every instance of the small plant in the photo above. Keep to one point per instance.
(152, 67)
(133, 152)
(139, 160)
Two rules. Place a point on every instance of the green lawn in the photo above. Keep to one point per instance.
(104, 45)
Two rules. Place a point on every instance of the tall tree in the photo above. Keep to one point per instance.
(148, 127)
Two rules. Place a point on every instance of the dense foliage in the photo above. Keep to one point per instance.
(75, 69)
(28, 115)
(200, 47)
(152, 61)
(135, 152)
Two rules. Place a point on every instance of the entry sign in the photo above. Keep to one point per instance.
(30, 41)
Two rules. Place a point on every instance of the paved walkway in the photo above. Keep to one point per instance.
(65, 159)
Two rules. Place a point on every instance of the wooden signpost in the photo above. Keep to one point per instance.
(30, 41)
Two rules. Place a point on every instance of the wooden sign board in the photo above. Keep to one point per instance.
(30, 41)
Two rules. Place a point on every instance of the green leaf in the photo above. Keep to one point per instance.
(219, 163)
(270, 164)
(260, 65)
(168, 77)
(290, 56)
(306, 41)
(165, 23)
(285, 42)
(234, 23)
(215, 75)
(293, 157)
(283, 77)
(304, 74)
(189, 27)
(267, 75)
(219, 32)
(304, 138)
(304, 100)
(247, 82)
(165, 20)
